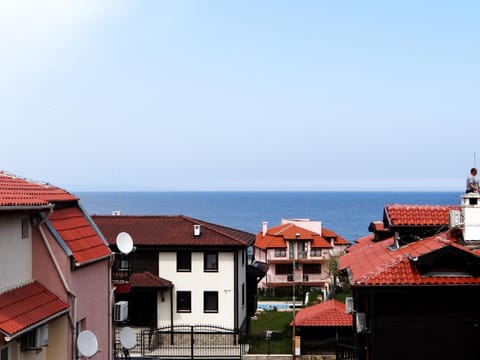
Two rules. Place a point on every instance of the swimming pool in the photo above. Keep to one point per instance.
(280, 306)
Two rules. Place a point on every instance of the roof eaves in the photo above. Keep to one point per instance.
(9, 337)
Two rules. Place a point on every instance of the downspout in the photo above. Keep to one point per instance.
(111, 332)
(171, 315)
(235, 291)
(73, 319)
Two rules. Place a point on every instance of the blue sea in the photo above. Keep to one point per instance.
(346, 213)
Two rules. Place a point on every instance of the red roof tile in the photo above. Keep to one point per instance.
(377, 264)
(277, 237)
(418, 215)
(26, 306)
(17, 191)
(77, 233)
(170, 231)
(148, 280)
(328, 313)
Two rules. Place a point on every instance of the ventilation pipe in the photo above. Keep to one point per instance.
(196, 230)
(264, 227)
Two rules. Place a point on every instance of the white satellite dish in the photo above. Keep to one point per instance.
(128, 339)
(124, 243)
(87, 343)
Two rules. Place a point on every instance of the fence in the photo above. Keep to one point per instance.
(274, 343)
(188, 342)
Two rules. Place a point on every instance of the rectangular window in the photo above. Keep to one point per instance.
(184, 261)
(302, 250)
(25, 228)
(312, 269)
(291, 250)
(315, 252)
(210, 261)
(210, 302)
(279, 252)
(184, 301)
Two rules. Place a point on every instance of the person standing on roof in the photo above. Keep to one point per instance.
(472, 183)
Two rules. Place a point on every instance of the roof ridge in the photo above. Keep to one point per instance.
(385, 266)
(213, 227)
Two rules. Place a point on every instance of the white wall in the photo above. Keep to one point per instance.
(197, 281)
(16, 253)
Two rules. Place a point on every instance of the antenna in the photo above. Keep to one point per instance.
(124, 243)
(87, 343)
(128, 339)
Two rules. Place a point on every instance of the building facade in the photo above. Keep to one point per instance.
(298, 252)
(197, 271)
(412, 291)
(54, 273)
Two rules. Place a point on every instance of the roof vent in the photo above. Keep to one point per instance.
(196, 230)
(116, 212)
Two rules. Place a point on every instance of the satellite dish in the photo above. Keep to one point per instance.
(124, 243)
(128, 339)
(87, 343)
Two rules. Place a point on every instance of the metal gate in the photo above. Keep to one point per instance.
(188, 342)
(346, 349)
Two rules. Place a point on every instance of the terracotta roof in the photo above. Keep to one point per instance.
(79, 235)
(26, 306)
(377, 264)
(170, 231)
(360, 242)
(327, 313)
(418, 215)
(21, 192)
(148, 280)
(277, 237)
(377, 226)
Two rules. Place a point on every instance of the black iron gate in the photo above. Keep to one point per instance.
(189, 342)
(346, 349)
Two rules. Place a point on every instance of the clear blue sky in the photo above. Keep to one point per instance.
(240, 95)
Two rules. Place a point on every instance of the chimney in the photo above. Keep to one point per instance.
(116, 212)
(264, 227)
(196, 230)
(470, 213)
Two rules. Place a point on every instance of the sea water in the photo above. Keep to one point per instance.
(347, 213)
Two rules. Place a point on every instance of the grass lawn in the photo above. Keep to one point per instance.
(277, 321)
(281, 340)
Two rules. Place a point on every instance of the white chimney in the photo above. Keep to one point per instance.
(116, 212)
(264, 227)
(196, 230)
(471, 216)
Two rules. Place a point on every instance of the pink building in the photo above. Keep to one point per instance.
(54, 274)
(297, 252)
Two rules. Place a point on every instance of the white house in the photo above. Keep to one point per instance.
(184, 271)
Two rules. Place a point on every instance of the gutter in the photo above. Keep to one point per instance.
(77, 264)
(26, 207)
(72, 317)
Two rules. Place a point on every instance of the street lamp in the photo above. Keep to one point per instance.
(294, 244)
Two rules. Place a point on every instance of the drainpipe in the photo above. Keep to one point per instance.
(111, 329)
(72, 317)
